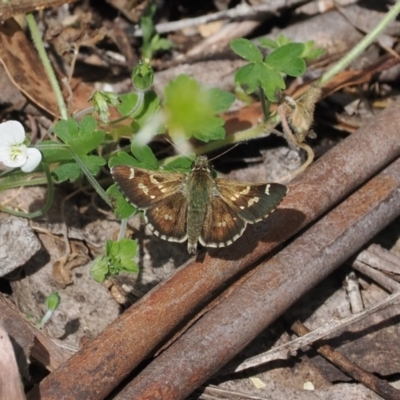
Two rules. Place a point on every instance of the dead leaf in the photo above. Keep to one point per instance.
(13, 7)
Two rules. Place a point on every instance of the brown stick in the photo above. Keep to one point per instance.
(108, 359)
(277, 284)
(379, 386)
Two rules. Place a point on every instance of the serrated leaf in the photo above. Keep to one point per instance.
(145, 156)
(87, 125)
(246, 49)
(189, 110)
(67, 171)
(220, 100)
(66, 129)
(82, 138)
(212, 131)
(181, 164)
(93, 163)
(123, 158)
(122, 208)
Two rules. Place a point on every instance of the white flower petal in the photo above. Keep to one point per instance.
(11, 133)
(34, 156)
(13, 156)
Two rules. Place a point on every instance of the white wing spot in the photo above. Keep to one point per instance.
(252, 201)
(267, 189)
(168, 217)
(223, 223)
(132, 173)
(154, 181)
(245, 191)
(143, 188)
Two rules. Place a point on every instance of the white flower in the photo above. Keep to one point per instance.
(13, 151)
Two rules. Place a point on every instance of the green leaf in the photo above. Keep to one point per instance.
(143, 75)
(180, 164)
(281, 58)
(220, 100)
(272, 83)
(151, 104)
(267, 43)
(53, 155)
(128, 103)
(296, 68)
(145, 156)
(246, 49)
(311, 52)
(159, 43)
(122, 208)
(127, 251)
(250, 76)
(123, 158)
(67, 171)
(83, 138)
(53, 301)
(93, 163)
(190, 110)
(282, 40)
(99, 269)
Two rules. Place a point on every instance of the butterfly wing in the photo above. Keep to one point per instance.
(222, 226)
(161, 197)
(143, 188)
(251, 201)
(167, 218)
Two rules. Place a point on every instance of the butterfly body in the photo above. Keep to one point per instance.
(196, 206)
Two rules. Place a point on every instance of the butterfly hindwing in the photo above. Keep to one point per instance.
(167, 218)
(222, 226)
(251, 202)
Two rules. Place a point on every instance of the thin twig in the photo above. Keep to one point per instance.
(241, 11)
(368, 379)
(288, 349)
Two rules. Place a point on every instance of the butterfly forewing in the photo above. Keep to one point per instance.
(144, 188)
(252, 202)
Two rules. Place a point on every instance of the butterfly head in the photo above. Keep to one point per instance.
(201, 164)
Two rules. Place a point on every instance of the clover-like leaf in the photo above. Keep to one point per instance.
(246, 49)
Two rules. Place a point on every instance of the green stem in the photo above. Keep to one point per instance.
(83, 167)
(49, 201)
(264, 104)
(122, 229)
(11, 184)
(46, 64)
(91, 178)
(241, 136)
(362, 45)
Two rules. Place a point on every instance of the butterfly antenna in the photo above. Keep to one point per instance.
(226, 151)
(178, 149)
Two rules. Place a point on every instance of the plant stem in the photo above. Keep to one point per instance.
(46, 64)
(46, 207)
(362, 45)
